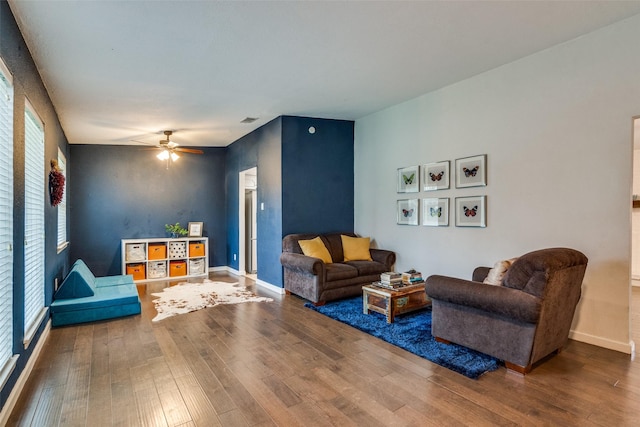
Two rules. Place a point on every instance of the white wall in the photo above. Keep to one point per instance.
(556, 127)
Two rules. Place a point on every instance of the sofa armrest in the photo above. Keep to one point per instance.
(385, 257)
(302, 263)
(480, 273)
(511, 303)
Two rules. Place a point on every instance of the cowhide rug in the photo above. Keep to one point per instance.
(187, 297)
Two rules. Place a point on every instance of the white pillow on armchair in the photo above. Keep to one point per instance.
(496, 274)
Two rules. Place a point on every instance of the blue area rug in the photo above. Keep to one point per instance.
(412, 332)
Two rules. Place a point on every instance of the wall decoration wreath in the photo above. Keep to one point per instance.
(56, 183)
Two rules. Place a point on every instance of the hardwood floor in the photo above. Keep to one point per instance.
(266, 364)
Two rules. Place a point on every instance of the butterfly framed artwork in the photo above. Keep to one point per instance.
(409, 179)
(471, 171)
(435, 176)
(407, 212)
(435, 212)
(471, 211)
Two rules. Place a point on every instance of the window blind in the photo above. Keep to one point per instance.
(34, 199)
(6, 220)
(62, 207)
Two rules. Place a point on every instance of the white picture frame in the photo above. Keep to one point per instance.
(435, 176)
(471, 211)
(407, 212)
(409, 179)
(195, 229)
(471, 171)
(435, 212)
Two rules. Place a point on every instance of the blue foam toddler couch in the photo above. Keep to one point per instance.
(82, 297)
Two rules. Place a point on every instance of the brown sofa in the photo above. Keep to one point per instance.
(318, 282)
(520, 322)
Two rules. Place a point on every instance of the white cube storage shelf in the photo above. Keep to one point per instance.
(136, 251)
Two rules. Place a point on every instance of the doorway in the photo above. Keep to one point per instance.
(634, 294)
(247, 223)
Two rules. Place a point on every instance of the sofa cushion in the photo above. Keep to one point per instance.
(103, 313)
(334, 244)
(356, 248)
(125, 279)
(340, 271)
(315, 248)
(366, 268)
(79, 283)
(104, 297)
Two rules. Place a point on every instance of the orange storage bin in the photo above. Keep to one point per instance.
(137, 271)
(177, 268)
(157, 251)
(196, 249)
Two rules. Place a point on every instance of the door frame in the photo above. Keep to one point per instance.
(242, 185)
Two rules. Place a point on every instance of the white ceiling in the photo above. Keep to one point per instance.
(118, 71)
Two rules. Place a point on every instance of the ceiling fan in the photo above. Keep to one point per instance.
(170, 149)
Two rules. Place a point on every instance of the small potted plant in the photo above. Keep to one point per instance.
(175, 230)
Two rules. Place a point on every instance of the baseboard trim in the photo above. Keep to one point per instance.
(268, 286)
(627, 348)
(230, 270)
(24, 376)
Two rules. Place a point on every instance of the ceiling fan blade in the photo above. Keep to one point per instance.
(189, 150)
(143, 142)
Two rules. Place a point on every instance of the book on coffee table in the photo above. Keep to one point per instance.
(412, 277)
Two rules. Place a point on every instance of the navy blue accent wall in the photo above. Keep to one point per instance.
(317, 175)
(125, 192)
(304, 180)
(270, 219)
(262, 149)
(28, 85)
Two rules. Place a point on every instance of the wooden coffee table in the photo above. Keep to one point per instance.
(391, 302)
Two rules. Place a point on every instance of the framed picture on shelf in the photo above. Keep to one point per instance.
(408, 212)
(471, 171)
(408, 179)
(435, 176)
(435, 212)
(471, 211)
(195, 229)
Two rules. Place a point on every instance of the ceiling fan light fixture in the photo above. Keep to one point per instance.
(174, 156)
(163, 155)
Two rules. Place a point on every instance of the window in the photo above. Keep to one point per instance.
(62, 207)
(34, 199)
(7, 359)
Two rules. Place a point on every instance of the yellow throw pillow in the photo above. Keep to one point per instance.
(315, 248)
(356, 248)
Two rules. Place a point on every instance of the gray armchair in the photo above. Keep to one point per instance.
(520, 322)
